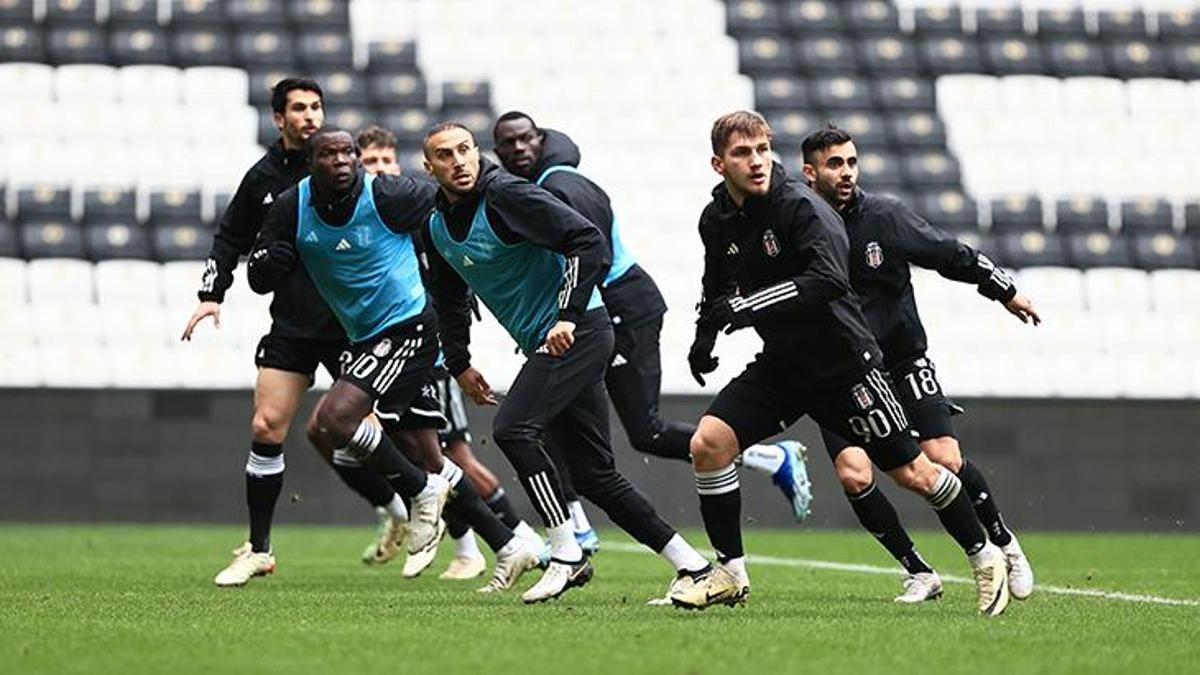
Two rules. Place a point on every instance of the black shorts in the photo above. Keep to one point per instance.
(769, 396)
(921, 395)
(450, 400)
(299, 355)
(396, 369)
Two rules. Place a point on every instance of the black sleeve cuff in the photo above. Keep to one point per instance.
(210, 296)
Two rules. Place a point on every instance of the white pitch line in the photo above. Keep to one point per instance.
(623, 547)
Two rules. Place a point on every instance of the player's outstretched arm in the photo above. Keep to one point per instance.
(933, 248)
(1022, 308)
(404, 202)
(205, 309)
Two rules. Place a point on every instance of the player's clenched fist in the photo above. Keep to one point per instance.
(560, 338)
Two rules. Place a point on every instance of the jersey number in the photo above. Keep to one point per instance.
(874, 425)
(922, 382)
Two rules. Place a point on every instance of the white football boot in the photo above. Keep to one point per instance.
(246, 565)
(990, 569)
(920, 587)
(1020, 572)
(557, 579)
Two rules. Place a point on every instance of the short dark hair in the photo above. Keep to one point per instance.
(510, 116)
(744, 122)
(311, 144)
(280, 91)
(439, 128)
(826, 137)
(376, 135)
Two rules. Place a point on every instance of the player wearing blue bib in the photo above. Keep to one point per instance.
(354, 234)
(536, 264)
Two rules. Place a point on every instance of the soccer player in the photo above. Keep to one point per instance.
(303, 334)
(378, 148)
(775, 258)
(536, 264)
(885, 237)
(551, 159)
(353, 232)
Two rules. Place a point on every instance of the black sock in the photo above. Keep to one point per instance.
(976, 487)
(879, 517)
(366, 481)
(374, 449)
(455, 526)
(465, 504)
(721, 508)
(502, 506)
(953, 508)
(264, 481)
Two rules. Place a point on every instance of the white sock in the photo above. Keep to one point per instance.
(451, 473)
(984, 555)
(682, 556)
(524, 531)
(396, 509)
(466, 546)
(433, 483)
(764, 458)
(738, 567)
(515, 544)
(562, 543)
(579, 518)
(1012, 547)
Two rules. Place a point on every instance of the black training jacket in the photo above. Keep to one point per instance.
(297, 310)
(886, 236)
(634, 298)
(518, 211)
(785, 254)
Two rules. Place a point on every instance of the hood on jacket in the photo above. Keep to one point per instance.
(557, 149)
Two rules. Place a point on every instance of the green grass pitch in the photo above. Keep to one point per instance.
(138, 599)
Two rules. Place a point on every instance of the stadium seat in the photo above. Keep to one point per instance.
(903, 94)
(1116, 290)
(115, 240)
(22, 43)
(127, 14)
(405, 89)
(180, 281)
(842, 93)
(1032, 248)
(823, 55)
(143, 45)
(14, 284)
(51, 239)
(1154, 376)
(916, 130)
(1148, 214)
(812, 17)
(1057, 289)
(392, 57)
(343, 86)
(349, 117)
(1013, 56)
(261, 82)
(70, 12)
(889, 55)
(477, 120)
(785, 94)
(1003, 21)
(1017, 213)
(77, 365)
(325, 50)
(1081, 214)
(931, 169)
(16, 324)
(409, 124)
(93, 83)
(267, 14)
(66, 45)
(10, 240)
(1184, 59)
(1179, 23)
(202, 46)
(175, 205)
(197, 13)
(158, 367)
(867, 129)
(791, 128)
(1062, 21)
(938, 20)
(180, 242)
(127, 282)
(1174, 291)
(466, 94)
(1073, 57)
(59, 281)
(208, 86)
(764, 55)
(879, 170)
(1163, 250)
(752, 18)
(27, 81)
(20, 364)
(17, 12)
(43, 202)
(949, 209)
(1098, 249)
(323, 13)
(950, 54)
(1121, 24)
(1137, 58)
(261, 47)
(871, 17)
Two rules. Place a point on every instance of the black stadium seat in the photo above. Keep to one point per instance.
(1067, 23)
(903, 94)
(1075, 57)
(51, 239)
(70, 12)
(180, 242)
(1163, 250)
(16, 12)
(116, 240)
(937, 20)
(269, 14)
(812, 17)
(322, 13)
(930, 169)
(344, 86)
(22, 43)
(267, 130)
(1146, 215)
(132, 13)
(75, 44)
(197, 13)
(824, 56)
(1082, 214)
(1032, 248)
(109, 204)
(868, 129)
(258, 48)
(398, 90)
(43, 202)
(1179, 25)
(879, 169)
(409, 124)
(175, 206)
(752, 18)
(1016, 213)
(871, 17)
(147, 44)
(791, 127)
(202, 46)
(891, 55)
(782, 93)
(916, 130)
(981, 241)
(1191, 218)
(325, 49)
(466, 94)
(1014, 55)
(1121, 24)
(477, 120)
(10, 240)
(1137, 58)
(1098, 249)
(220, 203)
(262, 81)
(950, 209)
(392, 56)
(764, 55)
(1184, 58)
(950, 54)
(842, 93)
(1000, 22)
(349, 117)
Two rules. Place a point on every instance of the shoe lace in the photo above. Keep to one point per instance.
(984, 579)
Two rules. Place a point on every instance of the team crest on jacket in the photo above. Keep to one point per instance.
(383, 348)
(862, 397)
(770, 243)
(874, 255)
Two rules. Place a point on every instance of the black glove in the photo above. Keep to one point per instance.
(276, 259)
(728, 313)
(700, 357)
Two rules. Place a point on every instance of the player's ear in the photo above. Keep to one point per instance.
(810, 173)
(278, 119)
(428, 167)
(718, 166)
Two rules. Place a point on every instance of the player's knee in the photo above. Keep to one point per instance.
(333, 424)
(511, 435)
(268, 425)
(944, 451)
(919, 475)
(712, 446)
(854, 470)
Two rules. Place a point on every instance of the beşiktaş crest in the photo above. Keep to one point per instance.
(874, 255)
(770, 243)
(862, 397)
(383, 348)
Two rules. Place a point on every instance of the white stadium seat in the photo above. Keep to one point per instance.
(1175, 291)
(14, 284)
(128, 282)
(60, 324)
(76, 365)
(27, 82)
(60, 281)
(19, 365)
(1116, 290)
(1055, 289)
(16, 324)
(146, 84)
(85, 83)
(211, 85)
